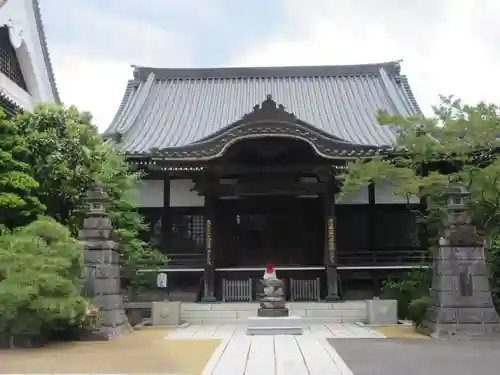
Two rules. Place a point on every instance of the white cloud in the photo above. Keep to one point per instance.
(92, 73)
(92, 84)
(447, 46)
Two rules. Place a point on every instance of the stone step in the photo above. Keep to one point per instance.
(286, 321)
(251, 306)
(238, 312)
(317, 315)
(254, 331)
(306, 320)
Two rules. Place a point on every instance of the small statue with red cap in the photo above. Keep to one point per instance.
(272, 303)
(270, 272)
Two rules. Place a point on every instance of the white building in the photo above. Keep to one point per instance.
(26, 75)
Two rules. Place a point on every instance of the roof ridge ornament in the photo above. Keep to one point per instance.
(269, 110)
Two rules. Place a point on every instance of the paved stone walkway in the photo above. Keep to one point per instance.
(307, 354)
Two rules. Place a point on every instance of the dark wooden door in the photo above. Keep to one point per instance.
(261, 230)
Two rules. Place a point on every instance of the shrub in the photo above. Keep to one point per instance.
(18, 202)
(413, 285)
(417, 310)
(41, 268)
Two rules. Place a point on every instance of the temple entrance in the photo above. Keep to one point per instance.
(282, 230)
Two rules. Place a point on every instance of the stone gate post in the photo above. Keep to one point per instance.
(102, 263)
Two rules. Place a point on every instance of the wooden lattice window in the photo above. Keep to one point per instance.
(9, 64)
(188, 233)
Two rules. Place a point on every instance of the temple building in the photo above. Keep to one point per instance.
(26, 75)
(240, 171)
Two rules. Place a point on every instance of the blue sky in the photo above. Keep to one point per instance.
(448, 46)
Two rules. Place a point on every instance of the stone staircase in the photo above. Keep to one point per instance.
(310, 312)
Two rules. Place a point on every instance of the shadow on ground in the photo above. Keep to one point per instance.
(140, 352)
(419, 357)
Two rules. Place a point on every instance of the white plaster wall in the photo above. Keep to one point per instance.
(19, 16)
(182, 196)
(15, 93)
(384, 195)
(149, 193)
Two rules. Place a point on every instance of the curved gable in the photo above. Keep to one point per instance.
(266, 120)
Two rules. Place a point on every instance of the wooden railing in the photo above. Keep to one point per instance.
(305, 290)
(300, 290)
(237, 290)
(385, 257)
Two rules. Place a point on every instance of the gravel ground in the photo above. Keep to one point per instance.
(141, 352)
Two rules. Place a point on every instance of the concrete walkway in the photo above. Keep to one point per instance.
(307, 354)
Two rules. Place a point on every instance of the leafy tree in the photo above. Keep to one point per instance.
(459, 140)
(119, 183)
(41, 267)
(18, 204)
(69, 158)
(66, 156)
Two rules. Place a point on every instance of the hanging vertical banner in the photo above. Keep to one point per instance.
(331, 239)
(209, 242)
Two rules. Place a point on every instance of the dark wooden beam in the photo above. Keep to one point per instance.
(372, 228)
(166, 217)
(236, 169)
(260, 187)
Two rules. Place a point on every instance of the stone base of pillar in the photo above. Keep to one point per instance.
(332, 298)
(462, 330)
(208, 299)
(272, 313)
(461, 303)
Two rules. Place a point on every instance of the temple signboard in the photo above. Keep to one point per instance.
(209, 242)
(331, 239)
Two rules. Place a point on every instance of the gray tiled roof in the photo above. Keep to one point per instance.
(175, 107)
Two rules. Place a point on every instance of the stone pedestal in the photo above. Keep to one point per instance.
(382, 311)
(288, 325)
(272, 313)
(166, 313)
(272, 316)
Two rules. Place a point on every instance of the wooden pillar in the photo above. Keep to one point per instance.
(372, 228)
(209, 274)
(166, 221)
(330, 248)
(372, 236)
